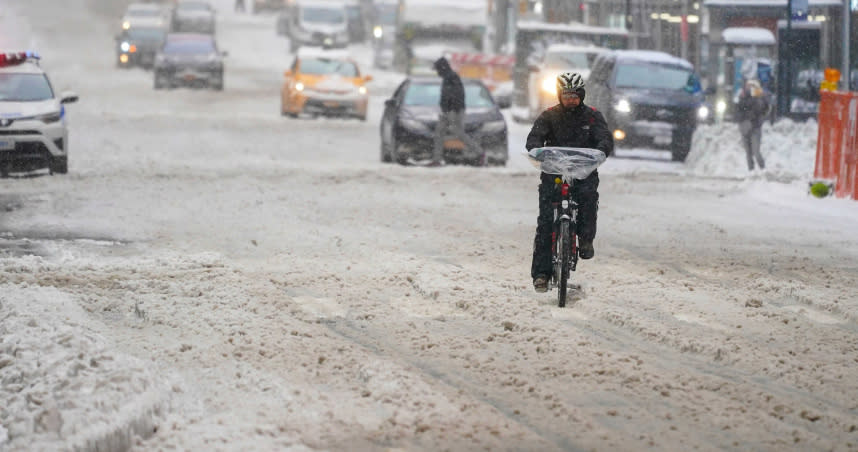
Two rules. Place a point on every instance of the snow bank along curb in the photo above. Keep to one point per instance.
(788, 147)
(61, 385)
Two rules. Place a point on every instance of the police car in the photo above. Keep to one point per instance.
(33, 133)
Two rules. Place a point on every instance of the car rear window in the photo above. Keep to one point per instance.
(653, 76)
(428, 94)
(189, 47)
(318, 66)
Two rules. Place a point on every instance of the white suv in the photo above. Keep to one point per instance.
(33, 131)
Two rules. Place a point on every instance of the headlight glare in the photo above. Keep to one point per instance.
(378, 32)
(720, 106)
(549, 85)
(493, 126)
(299, 86)
(703, 112)
(125, 46)
(362, 90)
(413, 124)
(623, 106)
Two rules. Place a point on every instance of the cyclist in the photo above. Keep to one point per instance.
(570, 123)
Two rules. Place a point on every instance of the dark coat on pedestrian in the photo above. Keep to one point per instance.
(752, 108)
(452, 90)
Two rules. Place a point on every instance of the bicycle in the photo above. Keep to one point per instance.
(568, 164)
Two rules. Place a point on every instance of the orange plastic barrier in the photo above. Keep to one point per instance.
(837, 142)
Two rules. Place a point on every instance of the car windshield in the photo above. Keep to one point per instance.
(324, 15)
(24, 88)
(320, 66)
(429, 94)
(570, 60)
(146, 34)
(653, 76)
(189, 47)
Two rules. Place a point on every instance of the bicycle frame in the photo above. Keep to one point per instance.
(563, 237)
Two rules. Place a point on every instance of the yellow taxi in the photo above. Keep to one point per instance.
(324, 82)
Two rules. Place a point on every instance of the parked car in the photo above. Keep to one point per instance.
(137, 46)
(326, 83)
(193, 16)
(411, 115)
(32, 117)
(318, 23)
(557, 59)
(189, 59)
(649, 98)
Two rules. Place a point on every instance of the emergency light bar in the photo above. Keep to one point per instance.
(15, 58)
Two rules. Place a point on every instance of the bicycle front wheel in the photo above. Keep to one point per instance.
(564, 251)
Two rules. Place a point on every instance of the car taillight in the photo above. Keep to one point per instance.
(564, 190)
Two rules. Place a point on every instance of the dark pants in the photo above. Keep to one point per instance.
(585, 193)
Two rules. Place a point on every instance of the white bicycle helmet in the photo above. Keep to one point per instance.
(569, 81)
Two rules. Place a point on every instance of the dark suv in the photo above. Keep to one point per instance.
(648, 98)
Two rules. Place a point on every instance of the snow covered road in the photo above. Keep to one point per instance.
(211, 276)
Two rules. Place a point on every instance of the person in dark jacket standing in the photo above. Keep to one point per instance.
(751, 112)
(452, 118)
(570, 123)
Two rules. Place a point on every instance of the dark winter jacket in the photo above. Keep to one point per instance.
(753, 109)
(452, 90)
(580, 127)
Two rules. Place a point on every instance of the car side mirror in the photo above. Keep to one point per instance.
(390, 103)
(368, 78)
(68, 97)
(287, 73)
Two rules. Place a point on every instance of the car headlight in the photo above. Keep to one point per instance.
(493, 126)
(126, 25)
(623, 106)
(549, 86)
(413, 124)
(703, 112)
(362, 90)
(378, 32)
(125, 46)
(299, 86)
(48, 118)
(720, 106)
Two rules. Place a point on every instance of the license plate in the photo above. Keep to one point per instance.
(662, 139)
(7, 145)
(454, 144)
(331, 104)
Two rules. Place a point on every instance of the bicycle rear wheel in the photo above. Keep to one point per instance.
(564, 251)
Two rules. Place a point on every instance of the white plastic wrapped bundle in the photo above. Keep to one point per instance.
(571, 163)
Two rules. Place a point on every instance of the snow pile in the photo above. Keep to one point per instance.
(788, 147)
(62, 387)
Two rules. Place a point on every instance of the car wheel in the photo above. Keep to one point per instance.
(159, 83)
(59, 165)
(385, 152)
(218, 85)
(681, 146)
